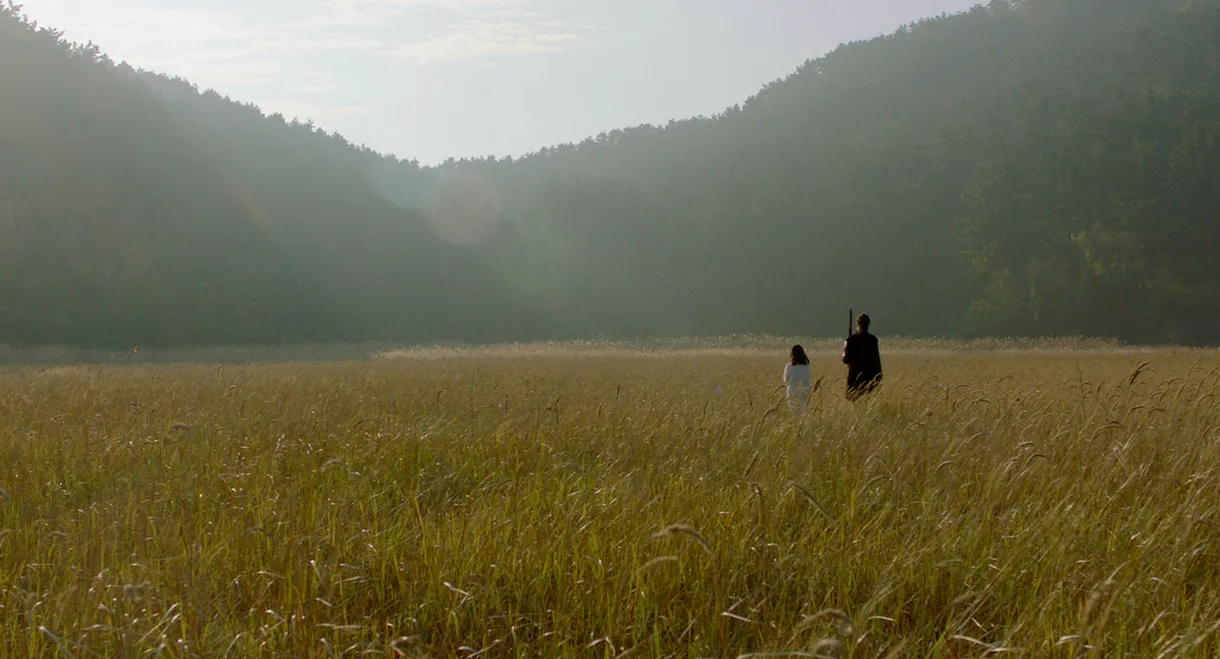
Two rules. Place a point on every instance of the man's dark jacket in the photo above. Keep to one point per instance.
(863, 359)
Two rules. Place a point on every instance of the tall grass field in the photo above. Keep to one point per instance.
(597, 502)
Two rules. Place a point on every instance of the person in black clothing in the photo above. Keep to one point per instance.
(863, 360)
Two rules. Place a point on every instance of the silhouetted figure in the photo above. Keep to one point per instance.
(863, 359)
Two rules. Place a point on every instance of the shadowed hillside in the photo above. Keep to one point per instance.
(1032, 168)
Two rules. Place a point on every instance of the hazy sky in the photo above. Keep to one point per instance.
(429, 79)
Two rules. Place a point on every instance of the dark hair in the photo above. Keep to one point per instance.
(862, 321)
(798, 355)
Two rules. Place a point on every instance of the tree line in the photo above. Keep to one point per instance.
(1031, 168)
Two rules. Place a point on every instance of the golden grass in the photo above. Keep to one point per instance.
(1044, 503)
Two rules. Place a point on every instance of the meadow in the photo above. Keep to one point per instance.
(597, 502)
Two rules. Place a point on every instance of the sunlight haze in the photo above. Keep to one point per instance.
(432, 79)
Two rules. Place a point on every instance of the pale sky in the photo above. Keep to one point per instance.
(429, 79)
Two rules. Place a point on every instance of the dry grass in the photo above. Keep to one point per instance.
(1043, 503)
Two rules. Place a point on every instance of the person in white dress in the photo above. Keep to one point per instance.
(796, 376)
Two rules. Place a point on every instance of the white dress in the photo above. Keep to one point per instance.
(796, 376)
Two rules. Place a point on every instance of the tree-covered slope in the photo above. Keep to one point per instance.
(136, 210)
(1037, 167)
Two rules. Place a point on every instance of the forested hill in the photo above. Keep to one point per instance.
(1042, 167)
